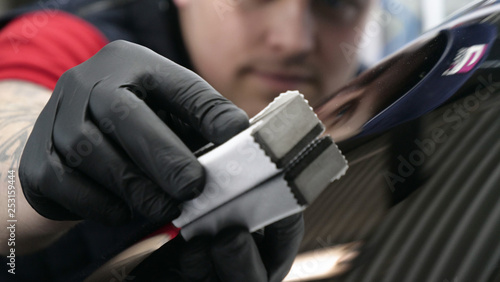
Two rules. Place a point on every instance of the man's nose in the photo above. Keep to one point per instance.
(291, 28)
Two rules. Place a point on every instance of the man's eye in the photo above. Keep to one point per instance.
(333, 3)
(339, 11)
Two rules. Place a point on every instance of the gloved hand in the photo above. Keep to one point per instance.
(236, 255)
(109, 143)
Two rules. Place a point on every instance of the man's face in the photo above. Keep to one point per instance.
(252, 50)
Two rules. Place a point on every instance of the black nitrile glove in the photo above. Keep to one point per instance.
(109, 143)
(236, 255)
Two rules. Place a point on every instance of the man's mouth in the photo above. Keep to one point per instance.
(281, 81)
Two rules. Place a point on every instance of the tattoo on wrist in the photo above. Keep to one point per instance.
(18, 113)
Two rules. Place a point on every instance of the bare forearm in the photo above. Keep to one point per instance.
(20, 105)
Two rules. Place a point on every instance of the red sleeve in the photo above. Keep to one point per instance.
(40, 46)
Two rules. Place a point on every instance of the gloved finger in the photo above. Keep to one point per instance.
(147, 141)
(195, 262)
(281, 244)
(236, 257)
(189, 136)
(73, 195)
(186, 95)
(93, 154)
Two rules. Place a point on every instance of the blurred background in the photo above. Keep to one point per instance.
(396, 22)
(9, 4)
(393, 24)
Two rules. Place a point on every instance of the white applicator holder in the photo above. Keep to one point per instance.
(271, 170)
